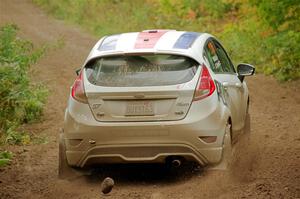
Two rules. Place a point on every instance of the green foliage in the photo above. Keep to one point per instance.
(278, 13)
(286, 56)
(5, 158)
(261, 32)
(21, 102)
(243, 45)
(282, 19)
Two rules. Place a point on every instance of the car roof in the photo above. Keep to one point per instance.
(151, 41)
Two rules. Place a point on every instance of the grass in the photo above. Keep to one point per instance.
(5, 158)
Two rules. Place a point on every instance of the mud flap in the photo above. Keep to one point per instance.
(227, 154)
(65, 171)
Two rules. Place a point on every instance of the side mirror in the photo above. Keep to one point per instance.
(77, 71)
(245, 70)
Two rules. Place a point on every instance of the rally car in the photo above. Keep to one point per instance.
(152, 97)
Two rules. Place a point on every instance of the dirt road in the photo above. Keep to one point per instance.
(266, 167)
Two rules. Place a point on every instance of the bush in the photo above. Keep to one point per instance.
(282, 19)
(21, 101)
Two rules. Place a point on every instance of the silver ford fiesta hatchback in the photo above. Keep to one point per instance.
(155, 96)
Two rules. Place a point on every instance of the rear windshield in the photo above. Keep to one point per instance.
(141, 70)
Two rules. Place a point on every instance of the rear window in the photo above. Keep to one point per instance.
(141, 70)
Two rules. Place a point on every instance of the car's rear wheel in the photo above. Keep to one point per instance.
(247, 128)
(227, 154)
(227, 145)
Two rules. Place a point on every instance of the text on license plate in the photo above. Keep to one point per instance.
(139, 108)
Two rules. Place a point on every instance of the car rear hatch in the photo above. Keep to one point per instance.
(145, 87)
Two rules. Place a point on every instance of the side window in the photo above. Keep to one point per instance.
(211, 54)
(225, 61)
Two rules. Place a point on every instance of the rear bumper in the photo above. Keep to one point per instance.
(89, 141)
(138, 153)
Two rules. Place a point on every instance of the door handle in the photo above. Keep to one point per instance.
(225, 84)
(238, 85)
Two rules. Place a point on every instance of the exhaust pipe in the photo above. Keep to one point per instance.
(176, 163)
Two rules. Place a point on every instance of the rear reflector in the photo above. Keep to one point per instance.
(208, 139)
(206, 85)
(78, 89)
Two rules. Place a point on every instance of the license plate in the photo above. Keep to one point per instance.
(139, 108)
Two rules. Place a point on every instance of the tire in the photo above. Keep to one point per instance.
(227, 154)
(227, 146)
(247, 128)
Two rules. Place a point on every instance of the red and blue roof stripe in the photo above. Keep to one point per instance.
(148, 39)
(186, 40)
(109, 43)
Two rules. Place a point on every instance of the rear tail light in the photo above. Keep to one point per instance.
(206, 85)
(78, 89)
